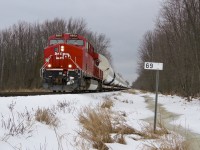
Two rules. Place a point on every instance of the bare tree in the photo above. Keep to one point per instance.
(175, 42)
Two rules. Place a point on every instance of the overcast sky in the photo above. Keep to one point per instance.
(123, 21)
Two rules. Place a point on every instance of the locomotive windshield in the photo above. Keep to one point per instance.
(70, 41)
(75, 42)
(56, 41)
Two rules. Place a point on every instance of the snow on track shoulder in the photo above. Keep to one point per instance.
(42, 136)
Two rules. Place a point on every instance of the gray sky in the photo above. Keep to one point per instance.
(123, 21)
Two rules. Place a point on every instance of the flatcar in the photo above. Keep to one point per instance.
(72, 64)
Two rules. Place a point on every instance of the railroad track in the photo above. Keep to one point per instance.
(10, 94)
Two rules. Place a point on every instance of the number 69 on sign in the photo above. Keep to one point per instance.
(153, 66)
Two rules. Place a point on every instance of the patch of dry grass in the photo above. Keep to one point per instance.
(97, 126)
(147, 131)
(108, 103)
(99, 123)
(165, 140)
(172, 142)
(143, 91)
(121, 131)
(46, 116)
(131, 91)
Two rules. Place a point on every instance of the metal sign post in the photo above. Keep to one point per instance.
(156, 99)
(157, 67)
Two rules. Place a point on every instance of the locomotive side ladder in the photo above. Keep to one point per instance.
(43, 67)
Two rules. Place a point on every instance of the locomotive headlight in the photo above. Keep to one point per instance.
(62, 48)
(70, 65)
(49, 65)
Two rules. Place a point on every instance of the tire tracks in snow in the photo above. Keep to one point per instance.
(193, 139)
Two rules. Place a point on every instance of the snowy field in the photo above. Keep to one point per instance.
(20, 129)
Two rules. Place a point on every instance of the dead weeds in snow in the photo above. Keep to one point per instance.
(147, 131)
(164, 139)
(98, 125)
(108, 103)
(47, 116)
(16, 123)
(168, 142)
(101, 125)
(130, 91)
(66, 106)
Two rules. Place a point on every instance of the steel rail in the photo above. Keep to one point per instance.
(14, 94)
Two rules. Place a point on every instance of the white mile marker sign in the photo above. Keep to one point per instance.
(157, 67)
(153, 66)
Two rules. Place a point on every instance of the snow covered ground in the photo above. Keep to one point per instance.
(19, 129)
(189, 111)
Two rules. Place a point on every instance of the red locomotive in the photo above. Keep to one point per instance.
(71, 64)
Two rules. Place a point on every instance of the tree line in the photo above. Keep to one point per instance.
(22, 45)
(175, 42)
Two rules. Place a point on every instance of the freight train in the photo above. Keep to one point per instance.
(72, 64)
